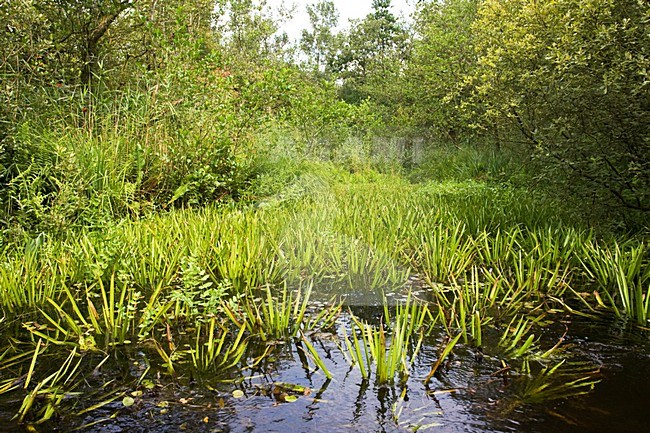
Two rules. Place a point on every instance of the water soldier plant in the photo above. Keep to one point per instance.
(390, 348)
(206, 299)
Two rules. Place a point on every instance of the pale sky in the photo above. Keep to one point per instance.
(347, 9)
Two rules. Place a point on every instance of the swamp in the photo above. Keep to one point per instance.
(432, 224)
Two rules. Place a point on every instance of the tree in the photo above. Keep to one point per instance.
(249, 32)
(443, 55)
(373, 51)
(77, 28)
(568, 79)
(320, 43)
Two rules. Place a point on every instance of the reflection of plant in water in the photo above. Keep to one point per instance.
(538, 384)
(533, 376)
(53, 389)
(562, 380)
(421, 417)
(531, 373)
(47, 395)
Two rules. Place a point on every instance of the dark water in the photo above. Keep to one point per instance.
(621, 401)
(465, 397)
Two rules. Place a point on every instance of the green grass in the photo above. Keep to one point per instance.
(215, 348)
(622, 273)
(126, 156)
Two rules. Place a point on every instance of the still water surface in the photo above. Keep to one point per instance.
(465, 397)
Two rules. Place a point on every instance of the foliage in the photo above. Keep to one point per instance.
(319, 43)
(443, 55)
(199, 288)
(372, 52)
(249, 31)
(163, 185)
(623, 274)
(568, 79)
(88, 176)
(391, 350)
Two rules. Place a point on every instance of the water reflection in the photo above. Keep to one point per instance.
(473, 392)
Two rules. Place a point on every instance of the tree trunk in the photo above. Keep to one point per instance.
(92, 42)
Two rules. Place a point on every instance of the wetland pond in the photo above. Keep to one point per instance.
(276, 386)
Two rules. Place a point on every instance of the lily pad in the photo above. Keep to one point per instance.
(238, 393)
(128, 401)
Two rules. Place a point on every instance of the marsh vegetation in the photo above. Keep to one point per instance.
(215, 234)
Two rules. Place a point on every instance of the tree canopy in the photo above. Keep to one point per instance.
(565, 82)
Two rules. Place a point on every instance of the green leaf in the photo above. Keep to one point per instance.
(180, 191)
